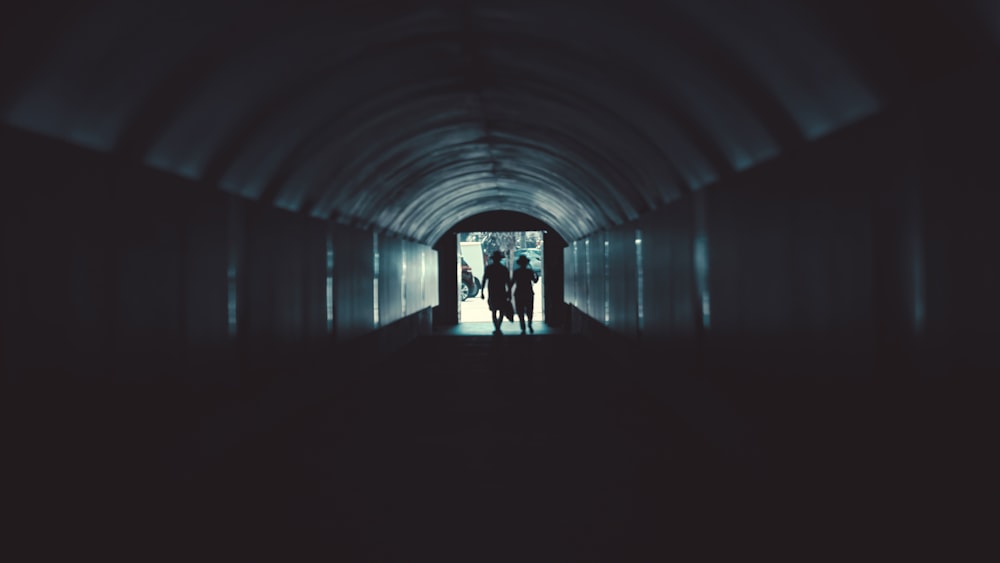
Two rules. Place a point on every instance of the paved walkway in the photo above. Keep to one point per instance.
(475, 309)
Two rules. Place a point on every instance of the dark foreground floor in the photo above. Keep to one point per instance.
(479, 449)
(474, 449)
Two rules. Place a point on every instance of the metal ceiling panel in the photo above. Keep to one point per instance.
(412, 116)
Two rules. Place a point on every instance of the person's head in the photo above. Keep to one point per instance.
(497, 256)
(523, 260)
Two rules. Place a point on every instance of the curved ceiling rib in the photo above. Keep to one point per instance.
(412, 116)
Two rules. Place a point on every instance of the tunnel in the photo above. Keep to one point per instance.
(231, 323)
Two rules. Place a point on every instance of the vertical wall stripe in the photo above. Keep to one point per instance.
(638, 281)
(607, 280)
(233, 267)
(329, 281)
(375, 271)
(701, 257)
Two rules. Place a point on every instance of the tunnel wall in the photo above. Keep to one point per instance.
(773, 271)
(826, 320)
(865, 253)
(119, 273)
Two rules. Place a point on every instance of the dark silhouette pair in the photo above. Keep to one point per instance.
(501, 285)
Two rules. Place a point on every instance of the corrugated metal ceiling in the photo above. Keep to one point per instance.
(412, 116)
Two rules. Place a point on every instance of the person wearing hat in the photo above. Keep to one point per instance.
(522, 282)
(496, 280)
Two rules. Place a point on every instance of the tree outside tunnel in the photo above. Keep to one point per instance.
(474, 250)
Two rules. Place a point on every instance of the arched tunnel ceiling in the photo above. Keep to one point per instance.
(410, 117)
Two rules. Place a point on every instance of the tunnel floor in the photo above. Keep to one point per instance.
(472, 448)
(485, 328)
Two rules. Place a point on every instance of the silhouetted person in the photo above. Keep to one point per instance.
(523, 280)
(496, 279)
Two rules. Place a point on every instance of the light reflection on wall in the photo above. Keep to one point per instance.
(375, 269)
(233, 267)
(231, 296)
(701, 264)
(576, 275)
(586, 279)
(607, 280)
(638, 279)
(423, 277)
(402, 284)
(329, 282)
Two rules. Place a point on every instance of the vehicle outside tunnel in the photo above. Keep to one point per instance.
(470, 283)
(473, 261)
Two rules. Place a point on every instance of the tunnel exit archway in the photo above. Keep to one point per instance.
(550, 307)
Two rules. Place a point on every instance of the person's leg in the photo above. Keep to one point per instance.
(528, 314)
(497, 318)
(520, 308)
